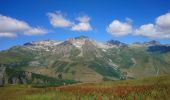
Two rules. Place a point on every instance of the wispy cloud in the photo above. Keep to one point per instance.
(6, 34)
(11, 27)
(58, 20)
(36, 31)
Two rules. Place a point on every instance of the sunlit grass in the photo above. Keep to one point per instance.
(153, 88)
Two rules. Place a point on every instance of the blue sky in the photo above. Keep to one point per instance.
(124, 20)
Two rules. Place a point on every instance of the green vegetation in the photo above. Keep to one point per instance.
(17, 57)
(104, 69)
(13, 73)
(49, 81)
(153, 88)
(123, 56)
(35, 80)
(74, 52)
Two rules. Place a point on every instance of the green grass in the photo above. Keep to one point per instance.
(153, 88)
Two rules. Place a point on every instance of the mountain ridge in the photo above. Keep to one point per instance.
(86, 60)
(111, 41)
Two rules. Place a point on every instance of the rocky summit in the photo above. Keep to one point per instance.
(85, 60)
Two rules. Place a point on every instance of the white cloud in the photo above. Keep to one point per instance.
(58, 20)
(82, 27)
(147, 30)
(83, 19)
(118, 28)
(10, 27)
(36, 31)
(8, 24)
(10, 35)
(161, 28)
(83, 24)
(163, 22)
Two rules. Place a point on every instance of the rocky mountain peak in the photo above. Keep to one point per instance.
(79, 41)
(43, 43)
(115, 42)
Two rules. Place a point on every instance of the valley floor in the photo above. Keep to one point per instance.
(153, 88)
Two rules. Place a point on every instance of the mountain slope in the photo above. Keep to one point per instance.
(86, 60)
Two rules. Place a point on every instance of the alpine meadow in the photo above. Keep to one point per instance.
(84, 50)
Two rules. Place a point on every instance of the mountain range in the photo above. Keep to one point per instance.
(86, 60)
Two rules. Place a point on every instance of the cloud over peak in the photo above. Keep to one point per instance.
(57, 20)
(119, 28)
(10, 27)
(83, 24)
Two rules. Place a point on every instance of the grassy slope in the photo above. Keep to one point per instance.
(153, 88)
(15, 55)
(74, 66)
(133, 60)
